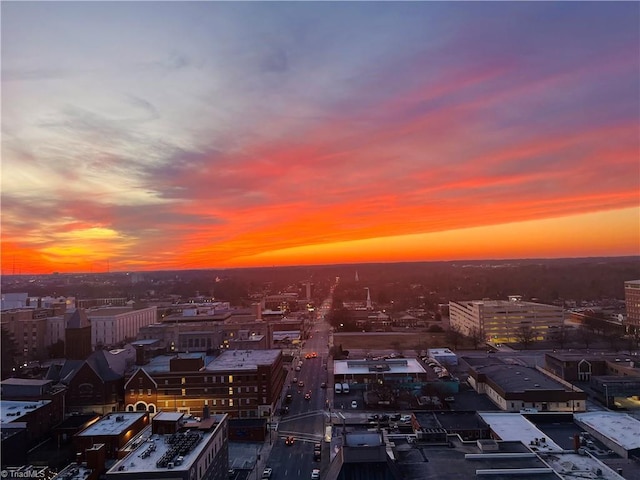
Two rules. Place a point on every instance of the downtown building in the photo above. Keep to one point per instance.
(240, 383)
(632, 301)
(113, 326)
(502, 321)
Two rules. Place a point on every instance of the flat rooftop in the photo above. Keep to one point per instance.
(145, 457)
(168, 416)
(437, 462)
(571, 466)
(109, 312)
(10, 410)
(516, 378)
(388, 366)
(161, 363)
(282, 334)
(620, 428)
(112, 424)
(245, 360)
(515, 427)
(25, 382)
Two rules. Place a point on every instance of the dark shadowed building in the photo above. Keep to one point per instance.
(77, 335)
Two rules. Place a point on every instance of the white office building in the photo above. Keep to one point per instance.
(501, 321)
(113, 325)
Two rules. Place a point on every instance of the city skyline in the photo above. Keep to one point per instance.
(175, 135)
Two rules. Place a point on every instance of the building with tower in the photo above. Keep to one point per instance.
(77, 335)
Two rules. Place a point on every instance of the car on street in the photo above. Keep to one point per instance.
(315, 474)
(354, 404)
(266, 473)
(323, 385)
(450, 399)
(307, 396)
(317, 452)
(301, 384)
(288, 440)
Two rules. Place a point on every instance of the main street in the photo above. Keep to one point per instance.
(305, 421)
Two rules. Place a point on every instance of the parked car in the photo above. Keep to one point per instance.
(323, 385)
(354, 404)
(301, 384)
(266, 473)
(315, 474)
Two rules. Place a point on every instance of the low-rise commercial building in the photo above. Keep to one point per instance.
(114, 430)
(514, 388)
(179, 450)
(619, 432)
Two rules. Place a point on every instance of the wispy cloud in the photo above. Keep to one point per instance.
(204, 136)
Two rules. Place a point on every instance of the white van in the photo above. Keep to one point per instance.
(345, 388)
(337, 388)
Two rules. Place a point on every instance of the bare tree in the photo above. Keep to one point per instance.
(454, 336)
(560, 335)
(586, 336)
(476, 337)
(525, 335)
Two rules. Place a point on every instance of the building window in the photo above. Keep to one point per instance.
(231, 402)
(133, 392)
(230, 390)
(230, 378)
(183, 381)
(149, 391)
(184, 392)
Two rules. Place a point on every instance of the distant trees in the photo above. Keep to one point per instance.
(525, 335)
(56, 350)
(476, 338)
(342, 319)
(586, 336)
(454, 337)
(560, 335)
(435, 329)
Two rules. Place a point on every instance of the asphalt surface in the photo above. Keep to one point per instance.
(306, 419)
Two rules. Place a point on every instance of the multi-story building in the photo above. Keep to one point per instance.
(114, 325)
(632, 300)
(114, 430)
(29, 329)
(500, 321)
(241, 383)
(178, 449)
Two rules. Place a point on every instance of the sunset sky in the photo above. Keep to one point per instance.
(175, 135)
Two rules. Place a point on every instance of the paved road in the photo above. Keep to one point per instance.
(306, 419)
